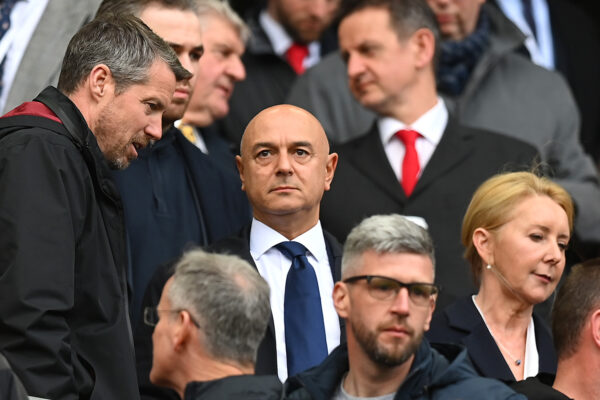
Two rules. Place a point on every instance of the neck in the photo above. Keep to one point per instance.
(198, 118)
(367, 378)
(417, 100)
(291, 226)
(203, 369)
(501, 308)
(577, 377)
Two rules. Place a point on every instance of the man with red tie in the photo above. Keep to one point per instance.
(288, 36)
(415, 160)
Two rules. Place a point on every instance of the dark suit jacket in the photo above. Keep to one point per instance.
(266, 361)
(365, 184)
(461, 323)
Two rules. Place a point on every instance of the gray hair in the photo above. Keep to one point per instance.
(228, 298)
(406, 17)
(223, 10)
(385, 234)
(124, 44)
(135, 7)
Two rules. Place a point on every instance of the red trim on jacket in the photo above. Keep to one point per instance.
(34, 108)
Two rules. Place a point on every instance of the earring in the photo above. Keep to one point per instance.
(488, 266)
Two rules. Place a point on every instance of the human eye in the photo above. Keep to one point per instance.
(563, 246)
(536, 237)
(195, 55)
(420, 291)
(383, 286)
(263, 153)
(151, 107)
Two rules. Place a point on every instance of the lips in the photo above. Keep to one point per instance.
(544, 278)
(283, 188)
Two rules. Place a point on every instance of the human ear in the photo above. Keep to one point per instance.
(100, 81)
(332, 160)
(424, 44)
(484, 244)
(341, 300)
(240, 167)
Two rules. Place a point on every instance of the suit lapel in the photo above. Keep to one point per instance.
(454, 147)
(368, 157)
(481, 346)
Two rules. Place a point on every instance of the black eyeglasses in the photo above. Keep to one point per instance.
(383, 288)
(151, 316)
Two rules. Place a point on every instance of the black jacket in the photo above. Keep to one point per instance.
(445, 374)
(243, 387)
(174, 196)
(461, 323)
(64, 324)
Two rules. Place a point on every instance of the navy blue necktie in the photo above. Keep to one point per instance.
(305, 341)
(5, 8)
(528, 14)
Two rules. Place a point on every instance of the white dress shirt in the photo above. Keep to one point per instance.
(24, 18)
(273, 266)
(542, 49)
(281, 41)
(430, 125)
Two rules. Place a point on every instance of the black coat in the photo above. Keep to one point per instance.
(242, 387)
(365, 184)
(461, 323)
(64, 323)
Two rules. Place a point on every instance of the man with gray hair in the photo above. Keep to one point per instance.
(387, 297)
(212, 315)
(64, 324)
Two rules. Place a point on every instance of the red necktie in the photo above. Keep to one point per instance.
(295, 56)
(410, 164)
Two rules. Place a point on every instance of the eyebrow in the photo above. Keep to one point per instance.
(272, 145)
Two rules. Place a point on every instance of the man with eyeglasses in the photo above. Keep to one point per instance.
(387, 297)
(211, 318)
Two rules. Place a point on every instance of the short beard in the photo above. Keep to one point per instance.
(380, 355)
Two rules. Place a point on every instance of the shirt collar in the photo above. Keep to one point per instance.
(430, 125)
(263, 238)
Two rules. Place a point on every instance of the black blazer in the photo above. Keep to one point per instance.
(365, 184)
(266, 360)
(461, 323)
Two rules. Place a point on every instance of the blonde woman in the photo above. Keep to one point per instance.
(515, 232)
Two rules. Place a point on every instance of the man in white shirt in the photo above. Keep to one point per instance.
(415, 160)
(285, 167)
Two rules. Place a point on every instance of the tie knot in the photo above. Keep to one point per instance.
(296, 55)
(291, 249)
(188, 132)
(408, 136)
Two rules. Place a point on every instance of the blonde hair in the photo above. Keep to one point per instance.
(493, 202)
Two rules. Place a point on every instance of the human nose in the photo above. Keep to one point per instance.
(554, 253)
(236, 70)
(284, 165)
(401, 302)
(154, 128)
(355, 67)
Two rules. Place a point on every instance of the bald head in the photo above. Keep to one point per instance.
(286, 117)
(285, 166)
